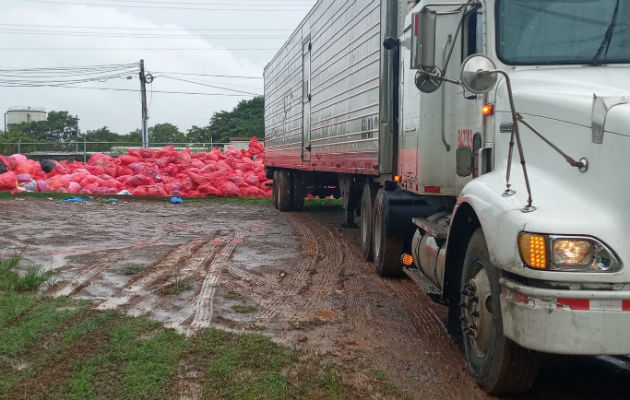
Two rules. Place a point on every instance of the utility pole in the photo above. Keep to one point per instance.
(143, 90)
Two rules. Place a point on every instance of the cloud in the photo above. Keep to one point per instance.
(121, 110)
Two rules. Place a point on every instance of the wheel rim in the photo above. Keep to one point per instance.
(378, 231)
(365, 223)
(477, 311)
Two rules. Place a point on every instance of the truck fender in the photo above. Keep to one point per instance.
(463, 223)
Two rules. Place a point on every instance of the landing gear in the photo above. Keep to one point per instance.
(498, 365)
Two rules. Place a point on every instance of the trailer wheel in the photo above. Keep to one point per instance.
(387, 247)
(297, 192)
(499, 365)
(284, 190)
(274, 192)
(366, 227)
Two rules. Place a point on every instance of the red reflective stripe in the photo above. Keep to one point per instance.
(575, 304)
(625, 305)
(521, 298)
(432, 189)
(415, 27)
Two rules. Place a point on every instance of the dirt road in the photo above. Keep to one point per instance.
(297, 277)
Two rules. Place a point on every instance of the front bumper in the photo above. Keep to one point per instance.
(585, 322)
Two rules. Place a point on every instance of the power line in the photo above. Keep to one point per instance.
(149, 28)
(81, 67)
(154, 91)
(136, 35)
(208, 85)
(172, 7)
(210, 75)
(282, 3)
(129, 49)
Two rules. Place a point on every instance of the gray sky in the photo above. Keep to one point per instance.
(35, 33)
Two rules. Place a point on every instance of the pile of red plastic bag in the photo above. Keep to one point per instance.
(163, 172)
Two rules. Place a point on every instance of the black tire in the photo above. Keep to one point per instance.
(297, 192)
(387, 248)
(499, 365)
(274, 192)
(366, 227)
(284, 190)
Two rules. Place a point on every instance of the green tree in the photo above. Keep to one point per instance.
(102, 135)
(60, 126)
(132, 137)
(198, 135)
(165, 133)
(245, 120)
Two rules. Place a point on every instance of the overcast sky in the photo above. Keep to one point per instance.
(60, 33)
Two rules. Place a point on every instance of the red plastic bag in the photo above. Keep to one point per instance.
(8, 181)
(58, 183)
(255, 147)
(229, 189)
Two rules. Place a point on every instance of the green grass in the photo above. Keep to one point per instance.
(30, 280)
(54, 196)
(63, 349)
(324, 205)
(231, 296)
(179, 287)
(132, 269)
(241, 366)
(388, 385)
(331, 384)
(243, 309)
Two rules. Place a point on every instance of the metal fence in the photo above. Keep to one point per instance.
(81, 151)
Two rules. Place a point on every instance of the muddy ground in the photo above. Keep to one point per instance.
(296, 277)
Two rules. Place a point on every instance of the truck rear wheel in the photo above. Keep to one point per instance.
(274, 191)
(297, 191)
(283, 185)
(366, 227)
(499, 365)
(387, 247)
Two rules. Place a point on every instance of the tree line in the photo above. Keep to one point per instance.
(245, 120)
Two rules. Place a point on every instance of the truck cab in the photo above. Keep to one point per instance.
(520, 110)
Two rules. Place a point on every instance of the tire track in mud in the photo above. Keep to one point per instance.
(330, 262)
(299, 276)
(178, 264)
(94, 269)
(425, 321)
(203, 306)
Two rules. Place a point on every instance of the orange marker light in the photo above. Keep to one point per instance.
(487, 109)
(397, 178)
(533, 249)
(407, 260)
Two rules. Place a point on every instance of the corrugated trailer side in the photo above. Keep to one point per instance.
(322, 91)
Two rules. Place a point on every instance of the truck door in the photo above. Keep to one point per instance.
(464, 122)
(306, 99)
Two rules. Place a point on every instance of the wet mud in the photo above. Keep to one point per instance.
(296, 277)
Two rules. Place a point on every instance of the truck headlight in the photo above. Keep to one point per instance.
(566, 253)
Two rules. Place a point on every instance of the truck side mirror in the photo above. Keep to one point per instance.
(427, 39)
(478, 74)
(423, 40)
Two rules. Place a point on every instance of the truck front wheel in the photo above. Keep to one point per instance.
(499, 365)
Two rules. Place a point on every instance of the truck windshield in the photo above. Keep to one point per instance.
(563, 31)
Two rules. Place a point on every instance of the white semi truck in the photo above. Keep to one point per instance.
(484, 146)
